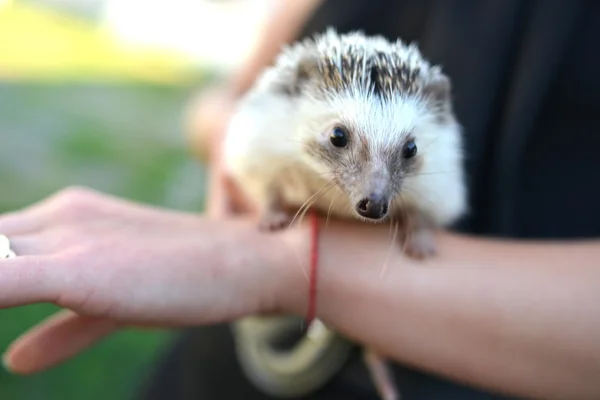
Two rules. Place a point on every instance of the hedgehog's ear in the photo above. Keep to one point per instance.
(306, 69)
(438, 88)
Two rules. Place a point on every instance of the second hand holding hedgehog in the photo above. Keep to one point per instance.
(355, 127)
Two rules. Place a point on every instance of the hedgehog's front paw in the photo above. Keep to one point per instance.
(272, 221)
(420, 244)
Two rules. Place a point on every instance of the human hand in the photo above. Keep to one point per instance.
(142, 240)
(112, 263)
(208, 117)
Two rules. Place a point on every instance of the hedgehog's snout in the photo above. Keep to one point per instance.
(373, 207)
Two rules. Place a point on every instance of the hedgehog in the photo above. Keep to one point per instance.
(355, 127)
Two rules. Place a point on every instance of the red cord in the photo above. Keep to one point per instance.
(314, 262)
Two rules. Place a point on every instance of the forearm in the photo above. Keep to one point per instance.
(520, 318)
(281, 28)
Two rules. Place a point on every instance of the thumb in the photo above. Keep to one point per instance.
(59, 338)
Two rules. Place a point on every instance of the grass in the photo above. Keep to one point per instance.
(122, 139)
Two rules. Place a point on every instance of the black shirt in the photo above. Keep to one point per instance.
(526, 88)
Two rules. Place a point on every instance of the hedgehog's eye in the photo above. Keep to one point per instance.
(409, 150)
(339, 137)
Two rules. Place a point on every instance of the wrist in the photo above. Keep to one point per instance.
(267, 269)
(350, 257)
(292, 266)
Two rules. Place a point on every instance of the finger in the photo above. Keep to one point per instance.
(32, 244)
(217, 200)
(238, 201)
(31, 218)
(59, 338)
(20, 222)
(225, 196)
(29, 279)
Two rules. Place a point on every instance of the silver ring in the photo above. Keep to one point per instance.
(5, 250)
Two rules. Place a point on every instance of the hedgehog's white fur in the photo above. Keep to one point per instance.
(264, 141)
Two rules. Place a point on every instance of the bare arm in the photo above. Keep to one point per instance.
(210, 111)
(516, 317)
(522, 318)
(281, 28)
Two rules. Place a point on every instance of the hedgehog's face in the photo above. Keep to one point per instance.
(369, 170)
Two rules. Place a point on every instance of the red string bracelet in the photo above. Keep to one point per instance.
(312, 277)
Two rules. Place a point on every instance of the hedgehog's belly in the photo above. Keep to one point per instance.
(300, 188)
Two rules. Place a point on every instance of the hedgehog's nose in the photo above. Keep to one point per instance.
(372, 207)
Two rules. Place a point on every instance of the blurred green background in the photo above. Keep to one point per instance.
(102, 117)
(122, 139)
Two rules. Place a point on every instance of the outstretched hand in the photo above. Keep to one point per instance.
(111, 263)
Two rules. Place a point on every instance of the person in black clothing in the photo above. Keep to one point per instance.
(509, 306)
(526, 91)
